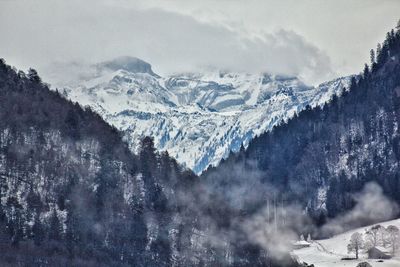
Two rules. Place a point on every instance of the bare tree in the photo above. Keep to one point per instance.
(309, 238)
(356, 243)
(383, 233)
(373, 235)
(394, 236)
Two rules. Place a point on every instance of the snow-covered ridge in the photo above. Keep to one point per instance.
(197, 117)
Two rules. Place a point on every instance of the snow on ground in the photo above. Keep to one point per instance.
(328, 252)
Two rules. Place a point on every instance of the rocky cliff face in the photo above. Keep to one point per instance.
(198, 118)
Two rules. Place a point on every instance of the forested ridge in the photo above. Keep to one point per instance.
(73, 194)
(322, 156)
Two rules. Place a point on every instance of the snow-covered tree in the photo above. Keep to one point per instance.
(383, 236)
(309, 238)
(356, 243)
(373, 235)
(302, 238)
(393, 237)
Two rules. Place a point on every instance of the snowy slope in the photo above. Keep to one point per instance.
(328, 252)
(197, 117)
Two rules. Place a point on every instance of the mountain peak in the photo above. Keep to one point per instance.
(198, 117)
(127, 63)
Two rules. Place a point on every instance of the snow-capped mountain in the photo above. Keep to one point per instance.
(197, 117)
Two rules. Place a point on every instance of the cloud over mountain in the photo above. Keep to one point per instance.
(173, 42)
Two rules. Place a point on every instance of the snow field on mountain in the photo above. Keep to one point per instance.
(198, 118)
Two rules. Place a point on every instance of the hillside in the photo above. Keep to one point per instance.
(322, 156)
(73, 194)
(329, 252)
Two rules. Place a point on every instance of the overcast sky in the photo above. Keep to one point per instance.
(314, 39)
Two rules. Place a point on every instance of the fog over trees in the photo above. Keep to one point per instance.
(323, 156)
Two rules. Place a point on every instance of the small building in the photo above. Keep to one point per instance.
(375, 253)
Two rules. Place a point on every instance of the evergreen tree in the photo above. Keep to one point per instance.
(54, 227)
(162, 248)
(38, 231)
(148, 157)
(138, 234)
(72, 124)
(71, 232)
(378, 55)
(34, 202)
(15, 221)
(366, 71)
(34, 76)
(356, 243)
(372, 57)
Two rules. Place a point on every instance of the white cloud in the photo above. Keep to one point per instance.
(371, 206)
(345, 30)
(179, 35)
